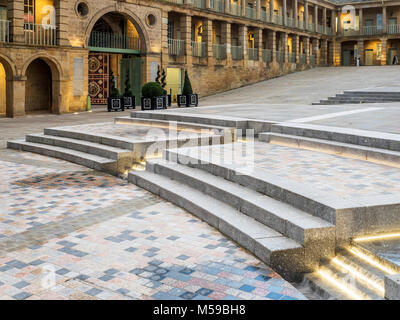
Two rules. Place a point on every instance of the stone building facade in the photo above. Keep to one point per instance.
(56, 53)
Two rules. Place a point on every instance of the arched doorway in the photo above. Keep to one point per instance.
(349, 53)
(116, 46)
(38, 88)
(3, 91)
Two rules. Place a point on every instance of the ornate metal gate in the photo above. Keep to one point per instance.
(98, 77)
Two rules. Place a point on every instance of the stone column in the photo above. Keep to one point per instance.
(284, 37)
(284, 13)
(271, 42)
(384, 18)
(208, 32)
(62, 17)
(15, 97)
(295, 13)
(360, 51)
(306, 14)
(337, 53)
(258, 10)
(339, 22)
(331, 53)
(360, 21)
(333, 21)
(243, 42)
(226, 39)
(271, 10)
(384, 52)
(164, 39)
(258, 38)
(324, 52)
(227, 7)
(186, 27)
(296, 46)
(315, 47)
(244, 5)
(324, 20)
(316, 18)
(15, 14)
(306, 46)
(208, 4)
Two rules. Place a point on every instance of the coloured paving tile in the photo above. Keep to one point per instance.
(134, 250)
(132, 131)
(330, 174)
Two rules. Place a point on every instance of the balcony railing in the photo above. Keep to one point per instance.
(393, 29)
(217, 5)
(251, 13)
(301, 24)
(175, 1)
(329, 31)
(277, 19)
(219, 51)
(264, 16)
(292, 57)
(302, 59)
(320, 28)
(267, 55)
(40, 34)
(350, 32)
(312, 59)
(113, 41)
(290, 22)
(176, 47)
(252, 54)
(198, 49)
(237, 52)
(201, 4)
(311, 27)
(235, 9)
(372, 30)
(279, 56)
(4, 31)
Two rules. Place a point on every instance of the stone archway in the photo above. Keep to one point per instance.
(7, 74)
(42, 85)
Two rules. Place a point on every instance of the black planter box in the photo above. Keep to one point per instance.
(188, 100)
(169, 100)
(129, 102)
(115, 104)
(155, 103)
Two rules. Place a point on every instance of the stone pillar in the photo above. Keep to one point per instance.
(271, 10)
(333, 21)
(243, 42)
(296, 46)
(360, 51)
(186, 27)
(227, 7)
(384, 18)
(360, 21)
(244, 5)
(324, 52)
(324, 20)
(316, 18)
(295, 13)
(258, 10)
(315, 47)
(226, 39)
(384, 52)
(258, 38)
(306, 14)
(284, 13)
(271, 42)
(339, 22)
(284, 37)
(337, 53)
(208, 32)
(164, 39)
(62, 17)
(15, 97)
(208, 4)
(306, 47)
(15, 14)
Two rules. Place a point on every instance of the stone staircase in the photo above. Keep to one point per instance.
(371, 146)
(362, 96)
(289, 239)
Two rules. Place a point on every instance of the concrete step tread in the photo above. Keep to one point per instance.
(277, 208)
(330, 142)
(62, 150)
(80, 142)
(269, 238)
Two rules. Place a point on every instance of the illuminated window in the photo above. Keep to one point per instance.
(29, 12)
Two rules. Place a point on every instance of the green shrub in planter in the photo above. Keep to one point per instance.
(188, 98)
(153, 96)
(114, 101)
(128, 97)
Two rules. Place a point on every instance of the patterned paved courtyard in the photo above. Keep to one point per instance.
(67, 232)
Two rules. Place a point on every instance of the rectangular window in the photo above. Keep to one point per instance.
(29, 11)
(170, 29)
(379, 21)
(3, 13)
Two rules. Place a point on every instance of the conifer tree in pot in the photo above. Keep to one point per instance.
(153, 96)
(129, 98)
(163, 85)
(187, 98)
(114, 101)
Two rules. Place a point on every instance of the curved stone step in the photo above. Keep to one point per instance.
(315, 234)
(384, 156)
(81, 158)
(284, 255)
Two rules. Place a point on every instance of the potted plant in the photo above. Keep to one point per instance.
(114, 101)
(187, 98)
(163, 85)
(153, 97)
(129, 98)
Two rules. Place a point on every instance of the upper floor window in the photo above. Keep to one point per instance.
(3, 13)
(29, 11)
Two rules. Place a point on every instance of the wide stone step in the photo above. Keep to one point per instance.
(373, 93)
(382, 156)
(379, 140)
(315, 234)
(284, 255)
(97, 149)
(81, 158)
(362, 98)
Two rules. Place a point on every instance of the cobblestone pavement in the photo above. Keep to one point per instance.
(331, 174)
(67, 232)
